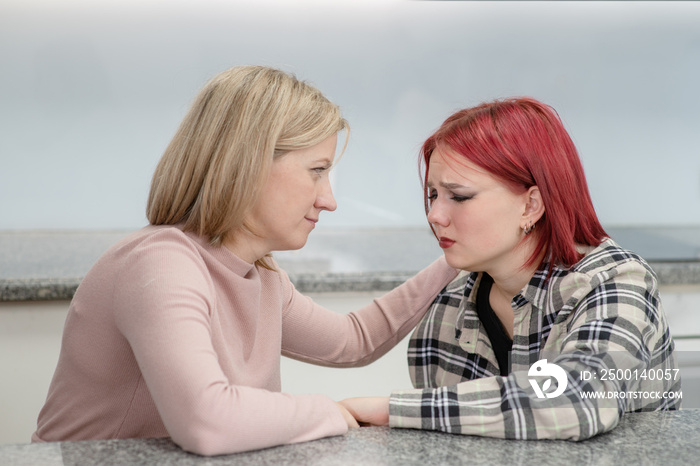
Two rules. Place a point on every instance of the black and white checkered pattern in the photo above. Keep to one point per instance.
(602, 314)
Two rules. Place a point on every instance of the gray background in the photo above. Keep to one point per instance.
(92, 92)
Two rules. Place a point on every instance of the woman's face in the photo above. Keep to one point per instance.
(476, 217)
(294, 195)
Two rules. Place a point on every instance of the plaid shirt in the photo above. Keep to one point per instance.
(600, 321)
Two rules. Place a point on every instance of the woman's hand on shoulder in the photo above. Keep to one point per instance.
(368, 411)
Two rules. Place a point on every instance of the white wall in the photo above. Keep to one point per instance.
(91, 92)
(30, 339)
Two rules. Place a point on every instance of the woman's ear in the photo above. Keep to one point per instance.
(534, 207)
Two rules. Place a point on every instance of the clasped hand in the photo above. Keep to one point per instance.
(365, 411)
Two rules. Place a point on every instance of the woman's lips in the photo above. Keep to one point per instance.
(446, 242)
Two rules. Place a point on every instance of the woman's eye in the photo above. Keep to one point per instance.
(433, 195)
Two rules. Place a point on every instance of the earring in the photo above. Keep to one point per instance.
(527, 229)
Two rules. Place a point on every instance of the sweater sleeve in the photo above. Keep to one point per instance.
(163, 299)
(319, 336)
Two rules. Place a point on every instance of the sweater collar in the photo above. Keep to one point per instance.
(224, 256)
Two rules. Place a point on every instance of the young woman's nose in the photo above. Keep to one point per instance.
(436, 214)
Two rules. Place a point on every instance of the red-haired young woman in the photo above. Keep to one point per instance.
(551, 329)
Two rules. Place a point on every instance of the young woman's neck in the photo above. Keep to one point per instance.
(508, 281)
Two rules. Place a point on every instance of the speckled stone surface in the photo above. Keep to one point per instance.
(39, 265)
(667, 438)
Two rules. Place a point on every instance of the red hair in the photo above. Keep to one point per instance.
(524, 143)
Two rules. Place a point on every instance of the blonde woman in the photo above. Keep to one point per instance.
(178, 329)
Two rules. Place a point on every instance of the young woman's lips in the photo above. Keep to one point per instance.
(446, 242)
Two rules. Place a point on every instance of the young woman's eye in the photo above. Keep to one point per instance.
(457, 198)
(432, 195)
(320, 170)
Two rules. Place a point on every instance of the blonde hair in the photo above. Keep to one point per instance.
(213, 169)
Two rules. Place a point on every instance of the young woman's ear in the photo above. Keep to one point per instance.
(534, 207)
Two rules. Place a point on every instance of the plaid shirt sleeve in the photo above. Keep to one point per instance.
(601, 322)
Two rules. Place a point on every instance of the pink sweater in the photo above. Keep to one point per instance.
(169, 336)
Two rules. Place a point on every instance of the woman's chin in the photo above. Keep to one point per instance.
(294, 244)
(454, 262)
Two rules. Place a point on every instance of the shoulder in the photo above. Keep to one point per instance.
(606, 255)
(610, 262)
(151, 242)
(153, 251)
(144, 270)
(608, 280)
(162, 237)
(170, 243)
(149, 238)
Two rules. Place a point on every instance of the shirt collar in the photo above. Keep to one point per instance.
(535, 292)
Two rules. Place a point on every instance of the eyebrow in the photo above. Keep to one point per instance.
(325, 160)
(449, 186)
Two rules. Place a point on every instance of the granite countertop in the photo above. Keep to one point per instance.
(666, 438)
(47, 265)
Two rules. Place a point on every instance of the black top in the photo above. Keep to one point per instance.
(500, 341)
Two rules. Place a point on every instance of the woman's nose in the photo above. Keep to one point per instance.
(436, 215)
(325, 199)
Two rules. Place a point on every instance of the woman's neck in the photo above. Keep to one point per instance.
(505, 287)
(509, 280)
(245, 246)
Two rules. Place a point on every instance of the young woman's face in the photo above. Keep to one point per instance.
(293, 197)
(476, 217)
